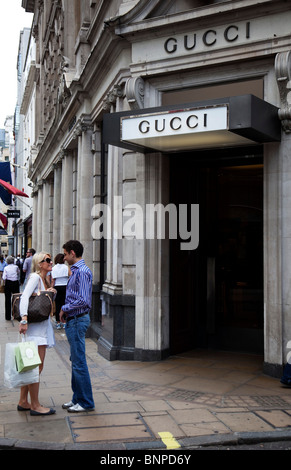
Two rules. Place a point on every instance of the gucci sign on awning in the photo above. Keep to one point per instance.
(174, 129)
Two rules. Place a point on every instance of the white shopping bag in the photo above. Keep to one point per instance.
(13, 378)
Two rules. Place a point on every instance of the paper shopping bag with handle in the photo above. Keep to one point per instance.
(26, 356)
(12, 378)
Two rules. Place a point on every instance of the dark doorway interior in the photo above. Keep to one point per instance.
(216, 291)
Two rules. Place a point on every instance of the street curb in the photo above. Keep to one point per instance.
(190, 443)
(237, 438)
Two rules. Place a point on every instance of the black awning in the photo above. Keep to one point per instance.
(225, 122)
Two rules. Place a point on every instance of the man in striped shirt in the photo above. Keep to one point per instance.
(75, 313)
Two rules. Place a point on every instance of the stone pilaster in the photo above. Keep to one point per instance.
(85, 190)
(57, 195)
(152, 295)
(45, 217)
(67, 199)
(38, 222)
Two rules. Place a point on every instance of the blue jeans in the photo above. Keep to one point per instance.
(81, 382)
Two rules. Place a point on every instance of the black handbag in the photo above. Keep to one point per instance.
(40, 306)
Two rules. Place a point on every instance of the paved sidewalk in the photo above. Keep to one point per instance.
(191, 400)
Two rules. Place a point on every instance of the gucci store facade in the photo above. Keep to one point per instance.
(206, 127)
(166, 150)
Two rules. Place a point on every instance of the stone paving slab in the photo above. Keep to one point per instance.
(49, 431)
(120, 427)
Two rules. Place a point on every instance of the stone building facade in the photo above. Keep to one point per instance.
(145, 103)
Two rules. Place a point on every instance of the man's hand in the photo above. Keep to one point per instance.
(62, 317)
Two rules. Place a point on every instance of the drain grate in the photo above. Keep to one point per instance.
(127, 386)
(270, 401)
(180, 394)
(165, 393)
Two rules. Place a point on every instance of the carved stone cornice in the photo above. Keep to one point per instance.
(39, 184)
(283, 75)
(57, 165)
(134, 91)
(112, 95)
(63, 154)
(63, 95)
(84, 124)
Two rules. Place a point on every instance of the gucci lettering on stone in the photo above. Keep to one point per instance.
(207, 38)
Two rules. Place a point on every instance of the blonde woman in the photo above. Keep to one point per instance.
(42, 333)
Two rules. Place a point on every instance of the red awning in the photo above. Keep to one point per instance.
(4, 220)
(12, 190)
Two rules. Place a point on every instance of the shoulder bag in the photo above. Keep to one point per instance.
(40, 306)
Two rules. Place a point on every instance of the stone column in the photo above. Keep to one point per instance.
(272, 256)
(45, 217)
(75, 233)
(51, 217)
(284, 155)
(152, 266)
(38, 221)
(129, 242)
(96, 146)
(67, 198)
(85, 189)
(113, 284)
(277, 250)
(57, 195)
(96, 320)
(77, 185)
(34, 218)
(277, 225)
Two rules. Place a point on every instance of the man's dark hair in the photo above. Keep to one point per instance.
(59, 258)
(74, 245)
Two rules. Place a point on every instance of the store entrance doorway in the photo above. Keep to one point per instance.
(216, 291)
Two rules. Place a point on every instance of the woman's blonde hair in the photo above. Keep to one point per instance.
(36, 260)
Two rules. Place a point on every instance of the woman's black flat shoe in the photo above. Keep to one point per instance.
(20, 408)
(37, 413)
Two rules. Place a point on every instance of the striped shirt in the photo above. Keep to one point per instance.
(79, 290)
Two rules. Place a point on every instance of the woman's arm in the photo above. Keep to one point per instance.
(30, 287)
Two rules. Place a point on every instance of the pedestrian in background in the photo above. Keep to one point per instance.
(75, 312)
(60, 277)
(19, 261)
(2, 266)
(27, 263)
(11, 279)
